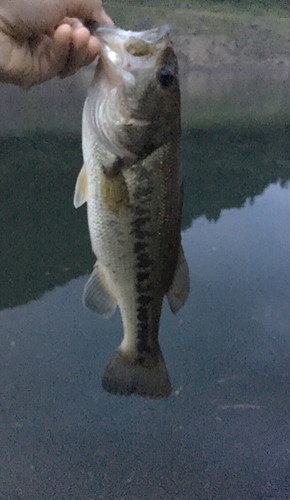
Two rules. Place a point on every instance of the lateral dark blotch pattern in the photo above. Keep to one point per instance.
(142, 331)
(140, 234)
(143, 192)
(143, 287)
(142, 276)
(144, 300)
(144, 236)
(141, 221)
(140, 246)
(144, 260)
(142, 338)
(139, 210)
(143, 315)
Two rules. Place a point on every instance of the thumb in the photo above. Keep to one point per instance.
(89, 10)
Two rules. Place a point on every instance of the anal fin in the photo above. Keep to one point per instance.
(96, 295)
(179, 289)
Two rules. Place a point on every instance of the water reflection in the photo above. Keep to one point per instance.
(225, 429)
(46, 240)
(223, 168)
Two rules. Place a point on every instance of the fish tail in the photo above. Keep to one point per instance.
(143, 373)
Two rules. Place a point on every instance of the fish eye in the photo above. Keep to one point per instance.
(165, 77)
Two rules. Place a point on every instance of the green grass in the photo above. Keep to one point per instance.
(265, 8)
(202, 17)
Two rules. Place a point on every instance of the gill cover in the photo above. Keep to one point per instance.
(128, 98)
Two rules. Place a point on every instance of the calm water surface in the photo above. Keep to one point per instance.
(224, 433)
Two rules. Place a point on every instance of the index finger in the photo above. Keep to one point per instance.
(103, 18)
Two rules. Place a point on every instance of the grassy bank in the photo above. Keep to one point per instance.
(234, 66)
(267, 20)
(219, 14)
(237, 54)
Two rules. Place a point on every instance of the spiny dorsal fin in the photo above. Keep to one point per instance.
(179, 289)
(81, 189)
(96, 295)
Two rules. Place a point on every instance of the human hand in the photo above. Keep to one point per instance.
(41, 39)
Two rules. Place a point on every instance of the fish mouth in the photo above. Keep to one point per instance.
(122, 51)
(125, 75)
(107, 35)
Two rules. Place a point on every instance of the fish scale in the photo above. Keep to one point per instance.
(130, 181)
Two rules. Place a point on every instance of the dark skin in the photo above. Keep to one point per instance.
(41, 39)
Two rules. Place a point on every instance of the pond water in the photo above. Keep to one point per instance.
(224, 432)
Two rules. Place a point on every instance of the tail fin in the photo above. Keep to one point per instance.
(143, 374)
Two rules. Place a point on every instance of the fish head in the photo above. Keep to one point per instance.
(135, 92)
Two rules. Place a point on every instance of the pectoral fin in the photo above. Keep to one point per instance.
(81, 189)
(96, 295)
(179, 289)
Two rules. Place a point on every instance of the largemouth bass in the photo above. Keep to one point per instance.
(130, 181)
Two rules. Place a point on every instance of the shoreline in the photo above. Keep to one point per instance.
(235, 73)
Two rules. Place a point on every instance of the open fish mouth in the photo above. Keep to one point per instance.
(127, 73)
(120, 50)
(150, 37)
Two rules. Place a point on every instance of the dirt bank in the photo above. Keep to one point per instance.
(234, 68)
